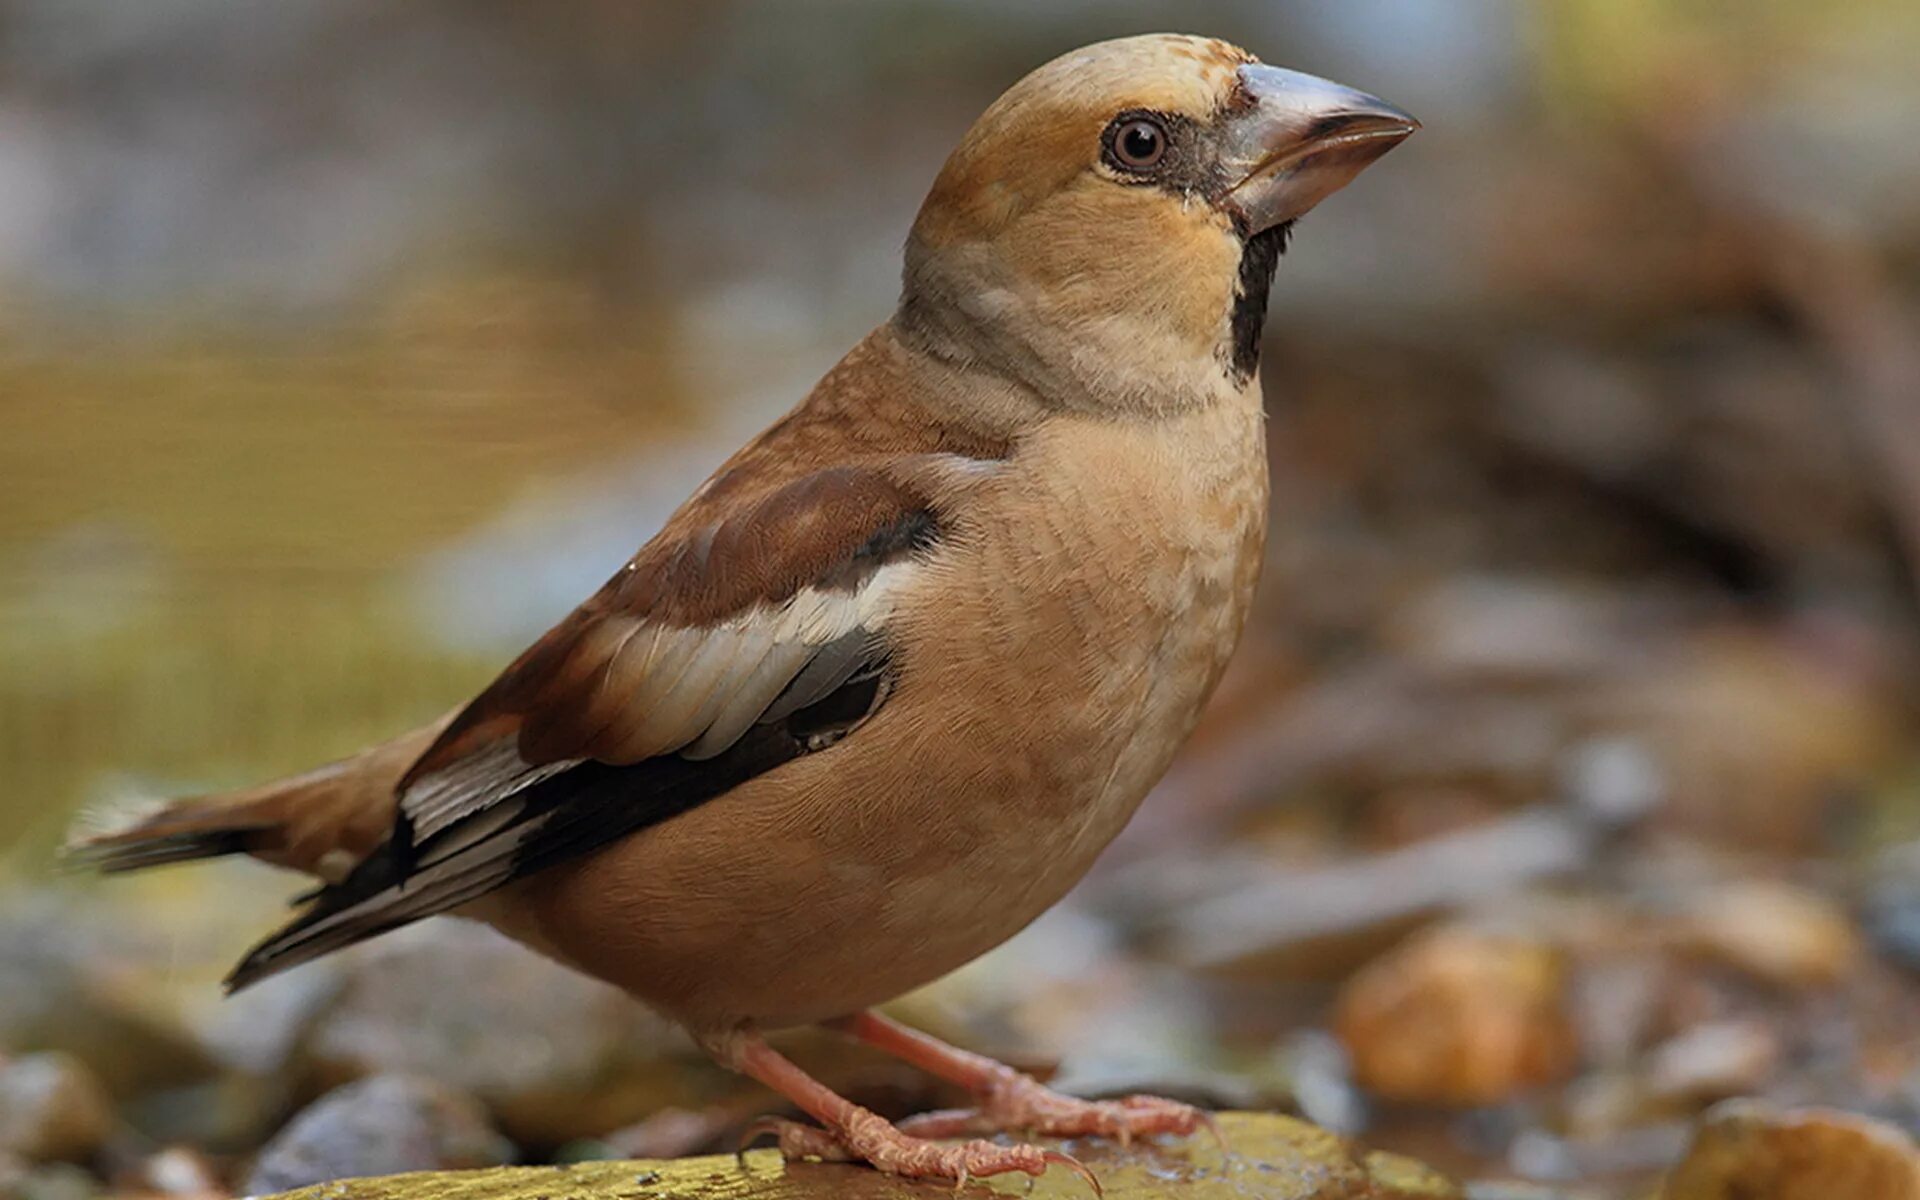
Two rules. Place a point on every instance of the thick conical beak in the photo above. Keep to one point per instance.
(1297, 140)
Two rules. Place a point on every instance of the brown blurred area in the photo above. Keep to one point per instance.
(1567, 782)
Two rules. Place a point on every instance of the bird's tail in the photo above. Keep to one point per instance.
(323, 822)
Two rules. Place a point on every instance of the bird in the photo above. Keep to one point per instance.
(879, 692)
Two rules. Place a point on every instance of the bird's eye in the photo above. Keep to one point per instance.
(1139, 144)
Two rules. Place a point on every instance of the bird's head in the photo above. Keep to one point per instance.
(1106, 232)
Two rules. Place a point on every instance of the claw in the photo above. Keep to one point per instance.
(1078, 1168)
(760, 1127)
(1213, 1127)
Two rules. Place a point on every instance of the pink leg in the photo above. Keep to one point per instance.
(1011, 1100)
(854, 1133)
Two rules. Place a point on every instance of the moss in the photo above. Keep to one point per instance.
(1273, 1157)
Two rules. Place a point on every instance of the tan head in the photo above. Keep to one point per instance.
(1106, 232)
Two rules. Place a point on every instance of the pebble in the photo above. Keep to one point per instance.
(1459, 1018)
(1782, 934)
(52, 1109)
(1744, 1151)
(385, 1125)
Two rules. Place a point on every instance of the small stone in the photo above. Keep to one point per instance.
(1713, 1062)
(49, 1181)
(1457, 1017)
(1320, 1076)
(1745, 1150)
(1783, 934)
(52, 1108)
(1616, 780)
(181, 1171)
(379, 1126)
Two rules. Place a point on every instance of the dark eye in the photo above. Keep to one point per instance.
(1139, 144)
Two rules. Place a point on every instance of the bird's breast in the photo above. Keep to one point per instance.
(1096, 588)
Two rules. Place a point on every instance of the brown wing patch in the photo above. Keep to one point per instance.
(812, 531)
(564, 697)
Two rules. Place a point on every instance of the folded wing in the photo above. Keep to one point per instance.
(722, 650)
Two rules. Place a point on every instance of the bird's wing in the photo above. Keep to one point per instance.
(725, 648)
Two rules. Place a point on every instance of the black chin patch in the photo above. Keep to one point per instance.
(1259, 258)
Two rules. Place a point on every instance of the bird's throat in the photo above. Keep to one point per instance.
(1258, 261)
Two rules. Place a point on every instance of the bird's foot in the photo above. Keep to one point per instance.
(866, 1137)
(1019, 1103)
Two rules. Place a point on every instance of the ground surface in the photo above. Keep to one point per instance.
(1276, 1158)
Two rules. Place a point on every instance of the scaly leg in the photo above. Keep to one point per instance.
(1013, 1101)
(854, 1133)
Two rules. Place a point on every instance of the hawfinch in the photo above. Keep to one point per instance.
(884, 686)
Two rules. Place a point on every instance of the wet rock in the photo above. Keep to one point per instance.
(52, 1108)
(553, 1055)
(382, 1125)
(1745, 1150)
(1783, 934)
(1275, 1158)
(1458, 1017)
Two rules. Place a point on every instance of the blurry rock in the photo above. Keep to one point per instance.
(1713, 1062)
(1613, 779)
(669, 1133)
(52, 1108)
(554, 1055)
(78, 980)
(1509, 629)
(52, 1181)
(1617, 996)
(1893, 904)
(1312, 922)
(1409, 815)
(1505, 1189)
(1752, 735)
(1457, 1017)
(258, 1039)
(1320, 1076)
(379, 1126)
(1782, 934)
(1642, 1150)
(1893, 921)
(1744, 1151)
(259, 1031)
(231, 1114)
(180, 1171)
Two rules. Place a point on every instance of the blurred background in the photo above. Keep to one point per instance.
(1567, 782)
